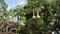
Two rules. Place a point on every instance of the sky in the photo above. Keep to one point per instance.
(12, 3)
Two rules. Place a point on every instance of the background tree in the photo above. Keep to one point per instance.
(41, 15)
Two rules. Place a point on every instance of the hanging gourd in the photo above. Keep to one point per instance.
(22, 23)
(39, 9)
(33, 14)
(38, 14)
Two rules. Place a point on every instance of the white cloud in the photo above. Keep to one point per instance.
(20, 2)
(9, 7)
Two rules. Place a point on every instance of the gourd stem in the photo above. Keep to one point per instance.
(37, 13)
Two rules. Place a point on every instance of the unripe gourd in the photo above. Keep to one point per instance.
(38, 14)
(22, 23)
(33, 15)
